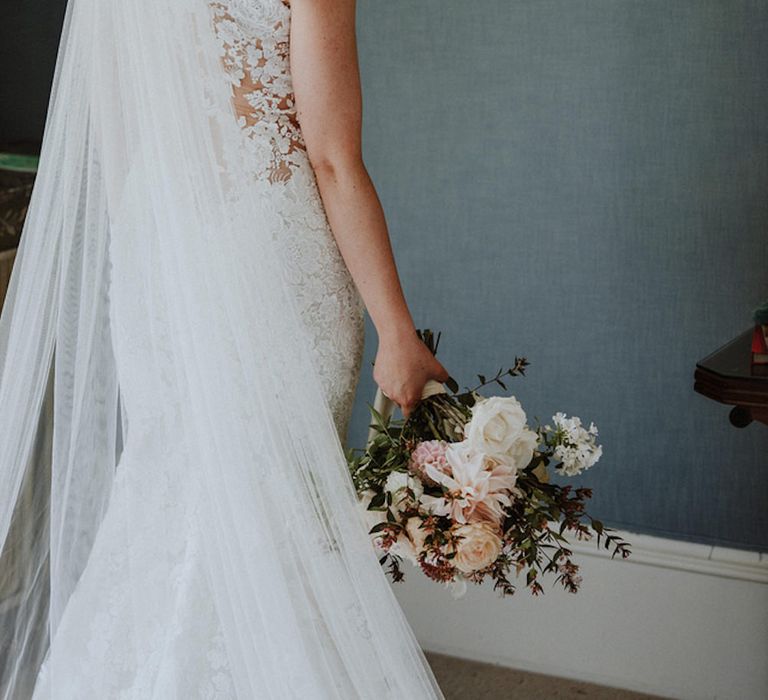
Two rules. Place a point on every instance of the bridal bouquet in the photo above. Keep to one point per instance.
(462, 490)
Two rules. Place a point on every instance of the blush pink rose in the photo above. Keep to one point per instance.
(479, 547)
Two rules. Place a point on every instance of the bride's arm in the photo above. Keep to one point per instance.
(326, 84)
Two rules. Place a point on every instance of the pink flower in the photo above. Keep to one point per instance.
(477, 487)
(429, 453)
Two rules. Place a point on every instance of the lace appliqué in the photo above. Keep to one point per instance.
(255, 45)
(254, 41)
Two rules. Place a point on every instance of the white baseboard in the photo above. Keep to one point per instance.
(676, 619)
(740, 564)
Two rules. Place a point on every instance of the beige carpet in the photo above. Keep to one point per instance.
(469, 680)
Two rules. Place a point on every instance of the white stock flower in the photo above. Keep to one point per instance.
(498, 428)
(576, 446)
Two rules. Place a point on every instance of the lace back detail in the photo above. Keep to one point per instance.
(253, 37)
(255, 41)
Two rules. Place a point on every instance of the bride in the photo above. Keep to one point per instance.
(200, 245)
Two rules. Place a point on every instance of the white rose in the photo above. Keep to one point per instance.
(479, 547)
(498, 428)
(396, 481)
(521, 452)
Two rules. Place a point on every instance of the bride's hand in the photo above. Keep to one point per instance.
(402, 367)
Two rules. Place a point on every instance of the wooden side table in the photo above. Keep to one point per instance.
(727, 376)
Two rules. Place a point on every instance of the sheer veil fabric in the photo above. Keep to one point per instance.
(220, 552)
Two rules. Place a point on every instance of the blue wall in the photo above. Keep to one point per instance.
(584, 183)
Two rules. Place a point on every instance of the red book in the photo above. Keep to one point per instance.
(760, 345)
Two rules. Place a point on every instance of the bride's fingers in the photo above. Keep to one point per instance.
(405, 402)
(441, 375)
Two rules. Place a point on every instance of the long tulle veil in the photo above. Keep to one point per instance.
(142, 145)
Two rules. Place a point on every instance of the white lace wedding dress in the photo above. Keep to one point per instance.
(153, 615)
(254, 36)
